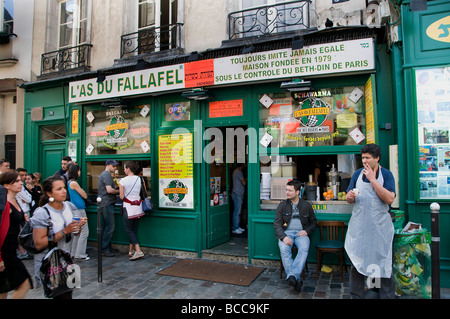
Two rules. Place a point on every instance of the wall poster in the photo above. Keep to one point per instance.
(433, 117)
(176, 171)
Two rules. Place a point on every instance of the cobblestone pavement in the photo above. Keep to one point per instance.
(123, 279)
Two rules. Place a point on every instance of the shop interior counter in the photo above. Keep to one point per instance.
(328, 207)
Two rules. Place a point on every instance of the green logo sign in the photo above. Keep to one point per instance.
(176, 191)
(312, 113)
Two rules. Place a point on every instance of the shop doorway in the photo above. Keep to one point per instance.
(52, 147)
(225, 148)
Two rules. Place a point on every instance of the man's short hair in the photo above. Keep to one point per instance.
(372, 149)
(66, 158)
(4, 160)
(296, 183)
(21, 169)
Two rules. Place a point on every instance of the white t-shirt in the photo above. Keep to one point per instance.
(131, 190)
(59, 219)
(131, 187)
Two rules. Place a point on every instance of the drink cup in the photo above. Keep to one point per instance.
(76, 218)
(356, 191)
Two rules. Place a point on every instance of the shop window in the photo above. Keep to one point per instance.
(325, 117)
(118, 131)
(318, 174)
(94, 169)
(177, 111)
(433, 114)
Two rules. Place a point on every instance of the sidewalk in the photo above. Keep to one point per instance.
(123, 279)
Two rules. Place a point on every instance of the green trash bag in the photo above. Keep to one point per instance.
(398, 218)
(412, 264)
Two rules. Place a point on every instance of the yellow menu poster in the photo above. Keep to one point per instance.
(175, 156)
(176, 179)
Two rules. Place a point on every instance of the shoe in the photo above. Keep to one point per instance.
(237, 231)
(299, 284)
(130, 253)
(137, 256)
(82, 259)
(242, 230)
(291, 281)
(108, 254)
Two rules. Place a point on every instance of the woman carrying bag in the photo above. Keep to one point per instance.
(129, 188)
(56, 230)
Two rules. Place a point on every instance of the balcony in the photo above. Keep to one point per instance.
(66, 59)
(269, 19)
(151, 40)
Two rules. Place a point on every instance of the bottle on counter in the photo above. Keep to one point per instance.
(311, 189)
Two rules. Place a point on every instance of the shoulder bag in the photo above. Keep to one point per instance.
(147, 205)
(26, 236)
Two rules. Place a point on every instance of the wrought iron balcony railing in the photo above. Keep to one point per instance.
(283, 17)
(151, 40)
(66, 59)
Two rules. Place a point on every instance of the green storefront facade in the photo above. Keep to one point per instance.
(188, 148)
(422, 94)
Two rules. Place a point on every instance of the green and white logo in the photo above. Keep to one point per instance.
(176, 191)
(312, 113)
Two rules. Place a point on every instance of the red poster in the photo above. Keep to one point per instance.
(199, 73)
(226, 108)
(291, 127)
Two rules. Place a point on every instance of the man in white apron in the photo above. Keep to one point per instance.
(370, 231)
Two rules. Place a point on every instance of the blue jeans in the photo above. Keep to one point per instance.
(238, 199)
(294, 267)
(107, 226)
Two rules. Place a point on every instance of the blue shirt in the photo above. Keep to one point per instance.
(75, 198)
(389, 182)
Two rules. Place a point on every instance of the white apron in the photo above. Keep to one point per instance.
(370, 232)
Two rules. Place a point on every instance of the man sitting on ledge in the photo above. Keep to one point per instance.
(294, 222)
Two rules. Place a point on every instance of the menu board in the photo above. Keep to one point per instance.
(433, 117)
(176, 179)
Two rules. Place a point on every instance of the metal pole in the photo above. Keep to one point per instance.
(99, 239)
(435, 239)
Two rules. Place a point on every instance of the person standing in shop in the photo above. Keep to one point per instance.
(237, 195)
(370, 233)
(107, 191)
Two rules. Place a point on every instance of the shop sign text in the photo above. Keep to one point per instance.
(330, 58)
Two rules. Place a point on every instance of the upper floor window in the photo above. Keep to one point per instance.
(72, 23)
(6, 16)
(156, 28)
(68, 41)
